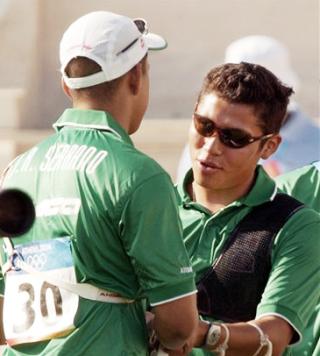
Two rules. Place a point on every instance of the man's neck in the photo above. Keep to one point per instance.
(215, 200)
(118, 112)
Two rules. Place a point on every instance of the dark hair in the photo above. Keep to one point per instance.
(250, 84)
(82, 66)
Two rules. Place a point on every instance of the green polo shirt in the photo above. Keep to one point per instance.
(117, 209)
(304, 184)
(291, 289)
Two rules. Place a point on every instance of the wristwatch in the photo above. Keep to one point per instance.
(213, 336)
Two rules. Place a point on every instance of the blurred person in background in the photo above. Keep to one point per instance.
(255, 250)
(76, 283)
(304, 184)
(300, 135)
(3, 7)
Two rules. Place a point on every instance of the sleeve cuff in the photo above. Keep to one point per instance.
(167, 293)
(287, 314)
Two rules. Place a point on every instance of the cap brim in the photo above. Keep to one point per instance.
(155, 42)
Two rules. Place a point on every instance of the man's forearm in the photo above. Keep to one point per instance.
(245, 339)
(176, 322)
(172, 338)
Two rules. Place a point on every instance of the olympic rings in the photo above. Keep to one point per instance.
(37, 261)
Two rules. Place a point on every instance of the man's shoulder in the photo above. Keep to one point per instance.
(305, 221)
(289, 214)
(303, 184)
(295, 175)
(143, 166)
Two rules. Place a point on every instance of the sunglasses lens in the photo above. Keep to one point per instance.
(141, 24)
(204, 126)
(234, 138)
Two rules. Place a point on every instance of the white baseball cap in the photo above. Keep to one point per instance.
(266, 51)
(115, 42)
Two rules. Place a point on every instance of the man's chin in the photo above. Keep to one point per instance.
(206, 182)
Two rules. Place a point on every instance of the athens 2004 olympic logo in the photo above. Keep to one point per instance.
(37, 261)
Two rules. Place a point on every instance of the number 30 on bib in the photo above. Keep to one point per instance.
(34, 309)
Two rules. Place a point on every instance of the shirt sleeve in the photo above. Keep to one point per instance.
(152, 237)
(292, 290)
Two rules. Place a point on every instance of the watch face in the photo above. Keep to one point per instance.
(213, 335)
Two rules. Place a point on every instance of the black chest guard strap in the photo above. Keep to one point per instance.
(232, 288)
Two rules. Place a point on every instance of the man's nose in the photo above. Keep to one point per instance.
(212, 144)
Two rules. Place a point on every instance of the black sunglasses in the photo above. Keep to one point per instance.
(233, 138)
(142, 26)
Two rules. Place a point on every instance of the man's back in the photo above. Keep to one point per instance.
(106, 214)
(92, 192)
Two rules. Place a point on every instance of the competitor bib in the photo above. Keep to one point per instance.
(34, 309)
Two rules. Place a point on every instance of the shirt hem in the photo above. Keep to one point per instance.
(289, 322)
(172, 299)
(286, 314)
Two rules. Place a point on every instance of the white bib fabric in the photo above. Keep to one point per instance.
(34, 309)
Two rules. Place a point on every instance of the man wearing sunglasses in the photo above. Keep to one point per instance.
(76, 284)
(255, 252)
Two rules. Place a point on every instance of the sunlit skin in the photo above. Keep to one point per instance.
(223, 174)
(130, 102)
(142, 98)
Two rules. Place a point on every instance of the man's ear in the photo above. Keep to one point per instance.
(134, 80)
(270, 146)
(66, 89)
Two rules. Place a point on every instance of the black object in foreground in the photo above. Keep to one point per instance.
(17, 212)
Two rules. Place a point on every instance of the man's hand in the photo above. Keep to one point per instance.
(181, 352)
(155, 349)
(197, 340)
(152, 337)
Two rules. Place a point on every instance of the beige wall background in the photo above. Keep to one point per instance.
(197, 31)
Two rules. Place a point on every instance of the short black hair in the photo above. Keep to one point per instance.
(82, 66)
(250, 84)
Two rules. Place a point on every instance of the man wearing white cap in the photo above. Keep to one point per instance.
(300, 136)
(107, 233)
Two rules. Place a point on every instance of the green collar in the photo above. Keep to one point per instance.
(182, 187)
(91, 119)
(263, 190)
